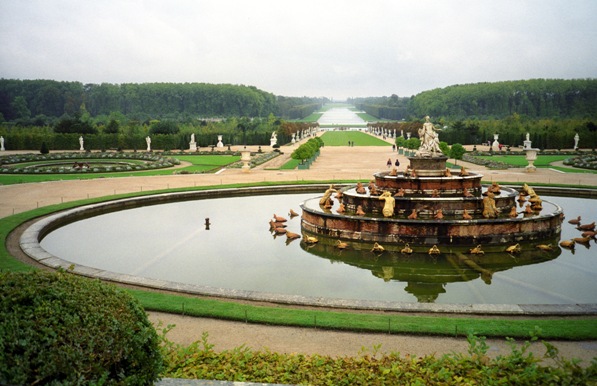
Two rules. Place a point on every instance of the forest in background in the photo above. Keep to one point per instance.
(39, 102)
(120, 116)
(535, 99)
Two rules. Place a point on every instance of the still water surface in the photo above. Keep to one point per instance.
(170, 242)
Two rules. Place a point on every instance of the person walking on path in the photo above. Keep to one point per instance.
(389, 163)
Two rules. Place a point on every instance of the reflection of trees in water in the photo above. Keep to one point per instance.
(426, 276)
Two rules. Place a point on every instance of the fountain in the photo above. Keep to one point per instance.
(429, 204)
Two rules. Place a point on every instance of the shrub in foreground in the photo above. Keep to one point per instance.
(57, 328)
(200, 360)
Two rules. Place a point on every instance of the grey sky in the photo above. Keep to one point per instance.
(330, 48)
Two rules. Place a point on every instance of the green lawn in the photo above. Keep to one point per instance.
(341, 138)
(311, 118)
(291, 164)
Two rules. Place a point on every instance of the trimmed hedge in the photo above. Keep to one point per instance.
(307, 149)
(57, 328)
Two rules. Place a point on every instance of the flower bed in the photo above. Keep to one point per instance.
(88, 162)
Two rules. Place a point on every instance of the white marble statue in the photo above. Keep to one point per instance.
(81, 146)
(148, 141)
(429, 138)
(274, 139)
(220, 143)
(2, 144)
(576, 138)
(193, 144)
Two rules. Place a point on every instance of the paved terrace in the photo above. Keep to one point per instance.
(334, 163)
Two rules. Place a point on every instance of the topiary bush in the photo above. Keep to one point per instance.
(58, 328)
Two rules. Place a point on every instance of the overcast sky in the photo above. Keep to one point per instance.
(317, 48)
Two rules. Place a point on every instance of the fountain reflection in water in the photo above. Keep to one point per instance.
(169, 242)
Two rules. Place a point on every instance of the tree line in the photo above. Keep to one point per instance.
(39, 102)
(535, 98)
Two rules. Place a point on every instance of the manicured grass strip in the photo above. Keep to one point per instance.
(573, 170)
(573, 329)
(311, 118)
(291, 164)
(211, 160)
(341, 138)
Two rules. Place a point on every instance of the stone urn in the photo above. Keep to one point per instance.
(531, 156)
(245, 157)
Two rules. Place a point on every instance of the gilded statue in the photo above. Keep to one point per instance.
(326, 196)
(489, 208)
(388, 208)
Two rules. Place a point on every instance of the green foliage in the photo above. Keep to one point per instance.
(44, 148)
(444, 147)
(140, 101)
(57, 328)
(74, 125)
(200, 360)
(456, 151)
(112, 127)
(535, 98)
(307, 149)
(298, 108)
(413, 143)
(400, 141)
(164, 127)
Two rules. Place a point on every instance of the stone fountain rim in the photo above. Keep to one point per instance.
(33, 234)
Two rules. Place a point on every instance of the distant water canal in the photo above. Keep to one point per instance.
(170, 242)
(340, 116)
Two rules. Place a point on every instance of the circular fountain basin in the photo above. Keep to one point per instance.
(161, 242)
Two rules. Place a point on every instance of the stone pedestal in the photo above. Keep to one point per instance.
(531, 156)
(245, 157)
(434, 166)
(193, 146)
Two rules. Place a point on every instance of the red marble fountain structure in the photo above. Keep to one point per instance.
(439, 197)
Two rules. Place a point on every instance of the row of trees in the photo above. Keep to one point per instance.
(38, 102)
(535, 98)
(122, 133)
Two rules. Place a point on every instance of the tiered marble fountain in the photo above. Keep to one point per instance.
(429, 204)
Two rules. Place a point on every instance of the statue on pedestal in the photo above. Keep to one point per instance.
(429, 138)
(148, 141)
(193, 144)
(81, 147)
